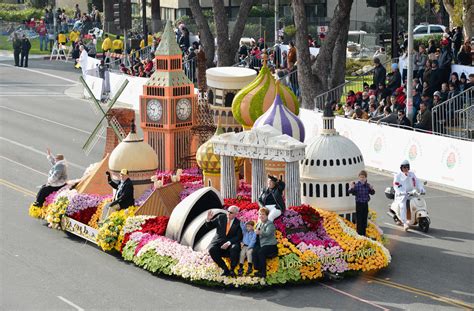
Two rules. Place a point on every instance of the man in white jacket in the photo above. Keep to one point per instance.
(57, 178)
(403, 183)
(82, 60)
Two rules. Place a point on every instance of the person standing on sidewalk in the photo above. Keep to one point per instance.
(25, 50)
(82, 60)
(362, 191)
(43, 33)
(16, 48)
(117, 46)
(106, 46)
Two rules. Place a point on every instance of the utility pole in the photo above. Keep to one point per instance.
(276, 20)
(145, 26)
(411, 11)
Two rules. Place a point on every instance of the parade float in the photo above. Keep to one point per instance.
(164, 231)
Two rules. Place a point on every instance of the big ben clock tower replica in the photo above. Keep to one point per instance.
(167, 106)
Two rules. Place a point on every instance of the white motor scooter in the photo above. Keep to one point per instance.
(416, 215)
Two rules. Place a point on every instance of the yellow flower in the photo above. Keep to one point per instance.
(36, 211)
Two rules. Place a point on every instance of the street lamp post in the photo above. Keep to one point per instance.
(409, 112)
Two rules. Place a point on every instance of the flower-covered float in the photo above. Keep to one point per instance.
(164, 231)
(311, 241)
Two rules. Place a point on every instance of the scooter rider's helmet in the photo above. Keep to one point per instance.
(406, 164)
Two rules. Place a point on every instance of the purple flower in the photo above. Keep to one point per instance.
(83, 201)
(145, 195)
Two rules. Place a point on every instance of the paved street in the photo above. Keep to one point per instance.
(44, 269)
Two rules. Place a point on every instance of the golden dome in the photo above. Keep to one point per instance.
(208, 161)
(134, 155)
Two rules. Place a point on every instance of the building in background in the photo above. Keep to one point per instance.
(318, 12)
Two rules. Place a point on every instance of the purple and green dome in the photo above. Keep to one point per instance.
(281, 118)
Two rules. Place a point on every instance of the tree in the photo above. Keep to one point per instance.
(460, 14)
(326, 71)
(207, 39)
(227, 45)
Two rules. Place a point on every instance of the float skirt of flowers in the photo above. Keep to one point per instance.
(311, 241)
(332, 246)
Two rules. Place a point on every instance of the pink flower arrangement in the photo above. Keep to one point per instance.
(145, 239)
(329, 257)
(50, 198)
(247, 215)
(289, 222)
(244, 190)
(190, 188)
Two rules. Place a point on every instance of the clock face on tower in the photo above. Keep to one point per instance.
(183, 109)
(154, 110)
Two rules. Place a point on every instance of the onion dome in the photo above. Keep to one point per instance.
(208, 161)
(257, 97)
(133, 154)
(281, 118)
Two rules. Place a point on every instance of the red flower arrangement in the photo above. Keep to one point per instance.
(310, 216)
(153, 226)
(244, 204)
(85, 215)
(189, 178)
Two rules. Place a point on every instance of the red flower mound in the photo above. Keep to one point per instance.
(189, 178)
(243, 204)
(85, 215)
(310, 216)
(155, 225)
(165, 177)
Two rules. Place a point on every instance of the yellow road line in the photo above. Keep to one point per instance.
(450, 301)
(17, 188)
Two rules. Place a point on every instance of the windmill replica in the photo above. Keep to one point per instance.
(106, 120)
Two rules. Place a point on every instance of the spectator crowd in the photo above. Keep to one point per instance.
(385, 100)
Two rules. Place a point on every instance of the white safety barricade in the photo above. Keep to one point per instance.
(131, 94)
(96, 85)
(434, 158)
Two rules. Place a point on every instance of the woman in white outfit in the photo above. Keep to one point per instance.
(272, 197)
(83, 60)
(403, 183)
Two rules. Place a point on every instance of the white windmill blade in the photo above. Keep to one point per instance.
(95, 104)
(94, 138)
(117, 95)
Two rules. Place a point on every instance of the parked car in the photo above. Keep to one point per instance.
(425, 30)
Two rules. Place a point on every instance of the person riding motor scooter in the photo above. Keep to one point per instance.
(403, 183)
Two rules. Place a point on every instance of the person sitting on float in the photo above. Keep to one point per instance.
(57, 178)
(123, 197)
(266, 245)
(226, 242)
(272, 197)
